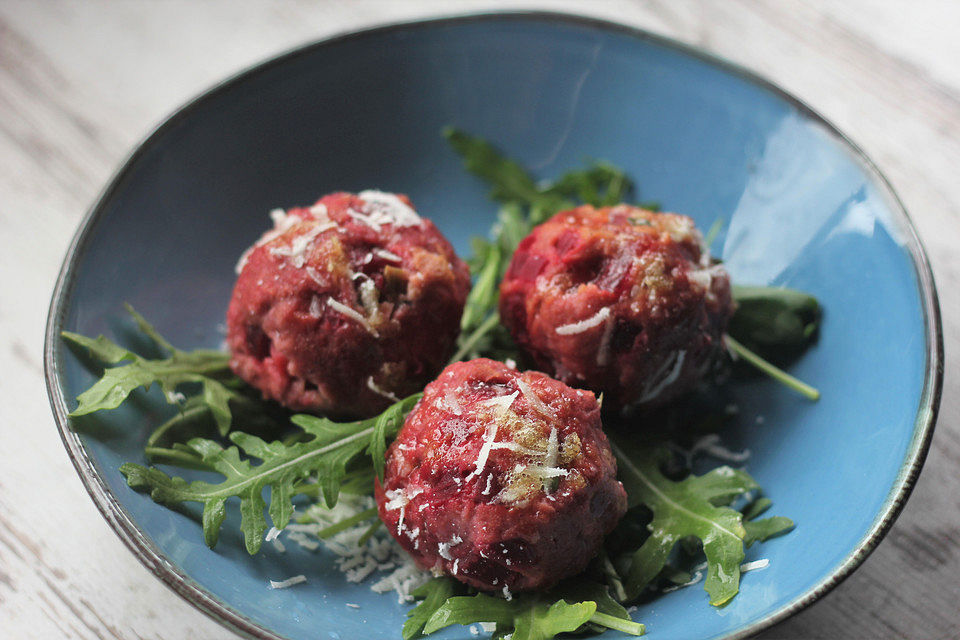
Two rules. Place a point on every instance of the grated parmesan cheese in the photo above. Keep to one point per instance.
(289, 582)
(381, 392)
(670, 377)
(387, 208)
(710, 444)
(353, 315)
(370, 297)
(763, 563)
(489, 435)
(299, 245)
(314, 275)
(387, 255)
(451, 403)
(443, 548)
(579, 327)
(365, 219)
(516, 448)
(553, 448)
(501, 403)
(546, 472)
(281, 223)
(532, 398)
(379, 557)
(316, 309)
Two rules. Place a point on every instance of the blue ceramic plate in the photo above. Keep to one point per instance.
(804, 208)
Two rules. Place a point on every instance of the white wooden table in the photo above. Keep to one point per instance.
(80, 83)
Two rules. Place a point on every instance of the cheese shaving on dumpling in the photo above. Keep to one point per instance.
(281, 224)
(379, 391)
(670, 378)
(517, 448)
(451, 403)
(489, 436)
(352, 314)
(553, 448)
(579, 327)
(370, 297)
(387, 208)
(387, 255)
(533, 398)
(545, 471)
(502, 404)
(299, 245)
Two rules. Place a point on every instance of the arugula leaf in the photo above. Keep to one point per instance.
(756, 508)
(385, 426)
(205, 367)
(776, 322)
(610, 614)
(283, 468)
(530, 617)
(432, 595)
(762, 530)
(527, 616)
(685, 508)
(510, 181)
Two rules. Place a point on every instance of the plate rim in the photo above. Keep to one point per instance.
(182, 584)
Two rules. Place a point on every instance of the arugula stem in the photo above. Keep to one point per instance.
(346, 523)
(615, 582)
(739, 351)
(180, 418)
(713, 232)
(176, 457)
(369, 532)
(483, 292)
(612, 622)
(485, 327)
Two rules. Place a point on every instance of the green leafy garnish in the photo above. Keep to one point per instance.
(738, 351)
(694, 506)
(284, 468)
(527, 618)
(762, 530)
(531, 616)
(775, 322)
(202, 366)
(432, 595)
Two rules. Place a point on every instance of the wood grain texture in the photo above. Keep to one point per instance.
(80, 83)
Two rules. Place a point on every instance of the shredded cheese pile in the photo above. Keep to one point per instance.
(380, 560)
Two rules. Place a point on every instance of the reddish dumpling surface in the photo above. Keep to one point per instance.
(501, 479)
(620, 300)
(347, 305)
